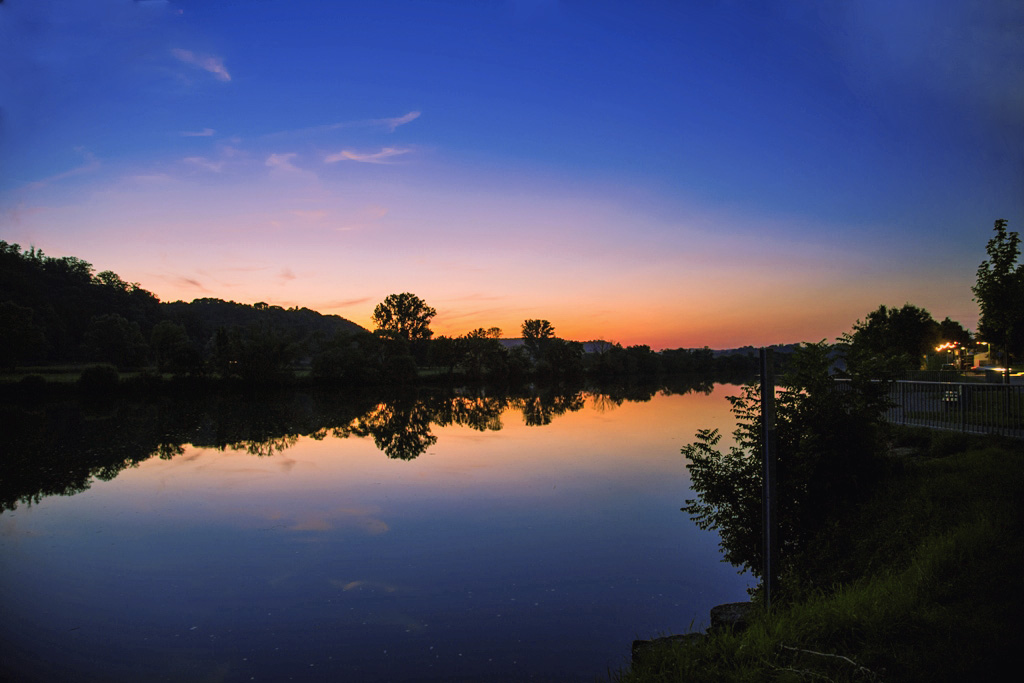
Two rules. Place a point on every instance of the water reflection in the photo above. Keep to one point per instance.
(59, 448)
(443, 536)
(401, 429)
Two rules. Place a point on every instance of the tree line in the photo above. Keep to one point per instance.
(59, 311)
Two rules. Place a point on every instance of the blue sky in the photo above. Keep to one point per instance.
(669, 173)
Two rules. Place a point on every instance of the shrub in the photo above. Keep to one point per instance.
(99, 379)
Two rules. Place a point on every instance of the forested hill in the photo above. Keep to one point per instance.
(60, 310)
(202, 317)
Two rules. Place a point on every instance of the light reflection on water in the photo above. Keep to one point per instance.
(529, 552)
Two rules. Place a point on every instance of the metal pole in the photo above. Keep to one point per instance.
(768, 497)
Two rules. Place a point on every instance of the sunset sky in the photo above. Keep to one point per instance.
(668, 173)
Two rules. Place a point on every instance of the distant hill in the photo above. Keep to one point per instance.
(753, 350)
(60, 310)
(202, 317)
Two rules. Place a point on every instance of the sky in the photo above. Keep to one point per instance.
(677, 174)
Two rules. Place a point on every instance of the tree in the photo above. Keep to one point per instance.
(404, 315)
(536, 333)
(999, 291)
(446, 352)
(952, 331)
(172, 349)
(827, 440)
(20, 337)
(482, 352)
(111, 338)
(109, 278)
(891, 340)
(263, 354)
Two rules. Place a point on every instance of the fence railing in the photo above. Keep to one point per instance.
(959, 406)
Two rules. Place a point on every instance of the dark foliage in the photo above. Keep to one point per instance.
(999, 291)
(827, 444)
(891, 342)
(55, 310)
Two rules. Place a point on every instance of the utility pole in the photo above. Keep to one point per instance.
(768, 496)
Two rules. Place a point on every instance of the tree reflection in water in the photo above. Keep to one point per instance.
(401, 428)
(60, 448)
(541, 409)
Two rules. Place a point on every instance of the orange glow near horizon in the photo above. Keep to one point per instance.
(487, 258)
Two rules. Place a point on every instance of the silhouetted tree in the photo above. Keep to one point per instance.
(891, 341)
(263, 355)
(952, 331)
(536, 334)
(404, 315)
(999, 291)
(482, 352)
(172, 349)
(350, 359)
(447, 352)
(112, 339)
(827, 440)
(20, 337)
(561, 359)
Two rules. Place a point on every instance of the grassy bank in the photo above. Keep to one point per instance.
(927, 583)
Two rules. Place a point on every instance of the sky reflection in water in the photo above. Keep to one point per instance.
(529, 552)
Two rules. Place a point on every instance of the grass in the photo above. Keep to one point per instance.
(935, 592)
(61, 374)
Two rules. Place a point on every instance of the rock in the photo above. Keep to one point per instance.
(730, 615)
(641, 647)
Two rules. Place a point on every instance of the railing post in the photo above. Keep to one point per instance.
(962, 402)
(768, 496)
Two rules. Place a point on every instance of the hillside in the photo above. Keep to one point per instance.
(55, 310)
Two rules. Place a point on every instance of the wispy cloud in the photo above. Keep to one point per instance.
(204, 133)
(391, 123)
(345, 303)
(310, 215)
(286, 274)
(282, 161)
(380, 157)
(91, 164)
(398, 120)
(19, 211)
(215, 166)
(190, 282)
(215, 65)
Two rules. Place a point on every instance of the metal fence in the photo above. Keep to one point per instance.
(959, 406)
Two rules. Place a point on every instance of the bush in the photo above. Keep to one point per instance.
(98, 379)
(827, 443)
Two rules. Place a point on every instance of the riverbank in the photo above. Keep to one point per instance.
(925, 582)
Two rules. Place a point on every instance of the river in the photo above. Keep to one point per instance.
(465, 538)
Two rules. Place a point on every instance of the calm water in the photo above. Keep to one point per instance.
(496, 550)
